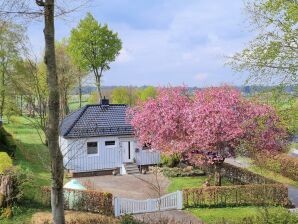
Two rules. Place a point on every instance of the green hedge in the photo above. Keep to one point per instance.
(182, 172)
(236, 195)
(5, 162)
(282, 163)
(239, 175)
(83, 200)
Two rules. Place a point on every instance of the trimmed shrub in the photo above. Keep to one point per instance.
(83, 200)
(239, 175)
(181, 172)
(236, 195)
(6, 162)
(282, 163)
(74, 218)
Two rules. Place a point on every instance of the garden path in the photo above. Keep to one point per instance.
(292, 190)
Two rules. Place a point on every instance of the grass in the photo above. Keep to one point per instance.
(179, 183)
(31, 155)
(6, 161)
(272, 175)
(215, 215)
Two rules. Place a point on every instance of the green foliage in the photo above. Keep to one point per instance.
(129, 219)
(148, 92)
(282, 164)
(272, 55)
(93, 46)
(170, 160)
(6, 162)
(82, 200)
(124, 95)
(243, 215)
(285, 105)
(93, 98)
(181, 172)
(236, 195)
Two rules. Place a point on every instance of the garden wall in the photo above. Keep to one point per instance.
(236, 195)
(83, 200)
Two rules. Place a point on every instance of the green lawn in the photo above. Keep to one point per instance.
(31, 154)
(215, 215)
(179, 183)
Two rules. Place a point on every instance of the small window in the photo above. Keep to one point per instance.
(110, 143)
(92, 148)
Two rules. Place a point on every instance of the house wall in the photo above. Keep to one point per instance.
(76, 158)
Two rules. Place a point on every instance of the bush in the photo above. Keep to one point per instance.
(6, 162)
(170, 160)
(15, 179)
(74, 218)
(129, 219)
(83, 200)
(282, 163)
(182, 172)
(236, 195)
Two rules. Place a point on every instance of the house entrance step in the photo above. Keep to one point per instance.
(131, 168)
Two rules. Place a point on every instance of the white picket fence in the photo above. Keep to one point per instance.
(131, 206)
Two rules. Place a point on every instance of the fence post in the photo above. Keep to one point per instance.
(179, 200)
(116, 207)
(149, 207)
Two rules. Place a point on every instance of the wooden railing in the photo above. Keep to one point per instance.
(147, 157)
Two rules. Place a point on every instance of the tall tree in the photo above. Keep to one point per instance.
(68, 73)
(273, 55)
(93, 47)
(57, 200)
(206, 127)
(11, 43)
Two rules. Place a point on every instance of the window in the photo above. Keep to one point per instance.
(92, 148)
(110, 143)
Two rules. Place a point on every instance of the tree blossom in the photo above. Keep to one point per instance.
(207, 125)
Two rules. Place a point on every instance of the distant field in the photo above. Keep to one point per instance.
(74, 103)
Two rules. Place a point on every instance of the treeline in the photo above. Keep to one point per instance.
(125, 95)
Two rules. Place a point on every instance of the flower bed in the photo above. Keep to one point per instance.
(236, 195)
(84, 200)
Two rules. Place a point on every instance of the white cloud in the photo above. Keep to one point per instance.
(124, 56)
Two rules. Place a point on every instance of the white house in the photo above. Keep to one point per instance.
(97, 139)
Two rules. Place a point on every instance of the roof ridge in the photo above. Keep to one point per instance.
(76, 120)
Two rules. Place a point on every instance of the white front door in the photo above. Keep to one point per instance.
(128, 152)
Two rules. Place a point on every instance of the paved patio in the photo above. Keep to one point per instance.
(128, 186)
(139, 187)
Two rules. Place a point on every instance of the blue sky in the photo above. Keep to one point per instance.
(166, 42)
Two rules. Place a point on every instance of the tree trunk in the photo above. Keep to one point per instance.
(53, 118)
(97, 79)
(217, 175)
(80, 91)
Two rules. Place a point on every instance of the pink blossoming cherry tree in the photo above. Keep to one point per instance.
(206, 126)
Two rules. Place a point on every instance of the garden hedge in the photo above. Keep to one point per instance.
(236, 195)
(282, 163)
(238, 175)
(83, 200)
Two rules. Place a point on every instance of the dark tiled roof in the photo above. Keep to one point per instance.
(96, 120)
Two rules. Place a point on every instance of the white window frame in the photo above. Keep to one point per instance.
(110, 146)
(95, 154)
